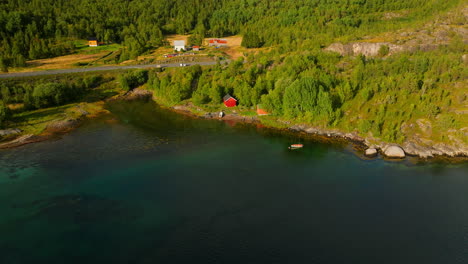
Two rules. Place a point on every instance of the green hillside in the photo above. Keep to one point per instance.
(418, 94)
(33, 29)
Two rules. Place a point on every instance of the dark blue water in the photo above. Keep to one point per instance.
(151, 186)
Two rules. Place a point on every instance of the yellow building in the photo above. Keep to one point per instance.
(93, 42)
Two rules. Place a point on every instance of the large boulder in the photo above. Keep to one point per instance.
(371, 152)
(394, 152)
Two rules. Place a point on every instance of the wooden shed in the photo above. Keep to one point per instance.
(93, 42)
(261, 111)
(229, 101)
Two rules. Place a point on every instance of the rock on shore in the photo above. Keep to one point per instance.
(371, 152)
(394, 152)
(138, 94)
(10, 131)
(63, 125)
(22, 140)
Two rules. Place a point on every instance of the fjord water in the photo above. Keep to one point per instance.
(152, 186)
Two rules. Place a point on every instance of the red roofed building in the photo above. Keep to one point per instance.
(217, 42)
(229, 101)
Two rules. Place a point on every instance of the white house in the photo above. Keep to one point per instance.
(179, 45)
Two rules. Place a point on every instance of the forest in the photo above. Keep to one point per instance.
(34, 29)
(294, 79)
(366, 94)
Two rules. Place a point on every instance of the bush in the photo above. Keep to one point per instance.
(133, 79)
(123, 80)
(48, 94)
(52, 94)
(251, 40)
(92, 81)
(4, 113)
(364, 125)
(383, 50)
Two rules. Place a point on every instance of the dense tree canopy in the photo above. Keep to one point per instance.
(32, 29)
(295, 80)
(369, 94)
(4, 113)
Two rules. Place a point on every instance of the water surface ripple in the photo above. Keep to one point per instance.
(157, 187)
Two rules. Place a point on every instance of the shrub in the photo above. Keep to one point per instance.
(123, 80)
(251, 40)
(4, 113)
(52, 94)
(133, 79)
(92, 81)
(48, 94)
(364, 125)
(383, 50)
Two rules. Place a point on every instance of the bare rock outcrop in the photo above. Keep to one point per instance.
(10, 131)
(438, 32)
(438, 149)
(364, 48)
(63, 125)
(137, 94)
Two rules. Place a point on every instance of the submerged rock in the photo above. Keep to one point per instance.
(371, 152)
(394, 152)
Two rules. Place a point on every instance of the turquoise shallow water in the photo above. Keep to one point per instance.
(158, 187)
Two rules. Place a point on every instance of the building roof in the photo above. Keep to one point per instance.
(92, 39)
(227, 97)
(179, 42)
(219, 41)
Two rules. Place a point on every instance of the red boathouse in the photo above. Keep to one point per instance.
(229, 101)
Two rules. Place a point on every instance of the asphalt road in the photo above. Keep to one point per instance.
(102, 68)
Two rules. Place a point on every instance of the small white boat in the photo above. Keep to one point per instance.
(296, 146)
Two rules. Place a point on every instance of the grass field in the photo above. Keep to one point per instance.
(83, 56)
(93, 56)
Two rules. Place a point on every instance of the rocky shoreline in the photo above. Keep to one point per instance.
(371, 146)
(390, 150)
(55, 128)
(14, 137)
